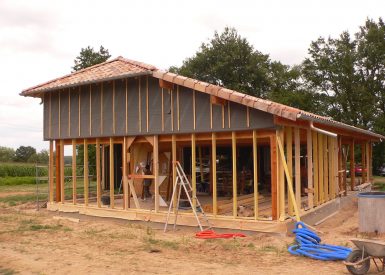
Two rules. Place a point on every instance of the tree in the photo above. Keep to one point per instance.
(6, 154)
(88, 57)
(23, 153)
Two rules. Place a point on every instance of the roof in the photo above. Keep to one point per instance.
(112, 69)
(121, 67)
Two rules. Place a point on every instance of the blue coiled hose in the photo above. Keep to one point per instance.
(308, 244)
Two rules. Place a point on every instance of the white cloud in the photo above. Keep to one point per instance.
(39, 39)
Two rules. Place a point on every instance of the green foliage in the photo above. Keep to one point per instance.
(6, 154)
(89, 57)
(23, 153)
(91, 159)
(17, 170)
(17, 180)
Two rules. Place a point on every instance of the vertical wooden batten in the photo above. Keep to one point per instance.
(274, 176)
(57, 172)
(367, 162)
(223, 116)
(194, 111)
(50, 117)
(172, 109)
(310, 188)
(234, 160)
(113, 108)
(352, 166)
(247, 117)
(228, 114)
(255, 173)
(69, 112)
(112, 176)
(297, 166)
(315, 167)
(79, 114)
(140, 104)
(126, 102)
(289, 157)
(125, 182)
(173, 152)
(156, 171)
(62, 193)
(321, 198)
(101, 108)
(74, 178)
(50, 171)
(326, 168)
(281, 179)
(86, 172)
(147, 111)
(214, 172)
(162, 110)
(90, 110)
(98, 185)
(193, 170)
(177, 108)
(59, 114)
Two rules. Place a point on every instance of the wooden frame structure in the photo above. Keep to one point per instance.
(154, 116)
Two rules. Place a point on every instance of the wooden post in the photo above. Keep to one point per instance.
(193, 170)
(173, 152)
(310, 186)
(126, 198)
(331, 167)
(345, 169)
(156, 172)
(363, 160)
(103, 184)
(214, 172)
(274, 179)
(98, 186)
(255, 174)
(234, 158)
(200, 163)
(85, 176)
(340, 181)
(321, 179)
(352, 166)
(62, 194)
(315, 167)
(57, 172)
(326, 168)
(297, 166)
(74, 174)
(50, 171)
(289, 153)
(367, 162)
(281, 180)
(112, 176)
(335, 187)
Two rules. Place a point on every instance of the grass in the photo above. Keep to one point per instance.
(14, 200)
(17, 180)
(379, 183)
(7, 271)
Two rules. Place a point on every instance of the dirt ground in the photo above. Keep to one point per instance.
(34, 242)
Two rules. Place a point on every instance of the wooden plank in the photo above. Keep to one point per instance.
(363, 162)
(74, 178)
(172, 109)
(174, 159)
(335, 170)
(289, 183)
(289, 157)
(126, 102)
(90, 124)
(86, 173)
(331, 170)
(194, 110)
(79, 114)
(211, 115)
(228, 115)
(200, 163)
(62, 193)
(162, 110)
(140, 104)
(103, 167)
(320, 169)
(125, 180)
(166, 84)
(247, 117)
(156, 172)
(50, 171)
(214, 172)
(315, 167)
(177, 108)
(367, 162)
(98, 182)
(69, 112)
(234, 159)
(223, 116)
(281, 180)
(255, 174)
(297, 166)
(147, 116)
(340, 181)
(50, 116)
(112, 187)
(352, 166)
(193, 170)
(113, 108)
(309, 149)
(274, 177)
(59, 114)
(101, 114)
(326, 168)
(57, 174)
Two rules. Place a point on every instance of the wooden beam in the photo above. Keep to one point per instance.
(255, 174)
(57, 174)
(247, 117)
(79, 109)
(69, 112)
(86, 172)
(309, 149)
(174, 159)
(211, 115)
(315, 167)
(90, 124)
(126, 103)
(297, 166)
(62, 193)
(50, 116)
(193, 170)
(101, 109)
(340, 175)
(217, 100)
(165, 84)
(367, 162)
(147, 110)
(74, 178)
(177, 108)
(214, 172)
(331, 167)
(352, 166)
(112, 187)
(234, 159)
(194, 111)
(50, 171)
(98, 182)
(274, 176)
(125, 180)
(281, 180)
(363, 164)
(162, 110)
(172, 109)
(223, 116)
(156, 172)
(113, 108)
(59, 114)
(103, 167)
(228, 114)
(289, 157)
(140, 104)
(320, 169)
(200, 163)
(326, 168)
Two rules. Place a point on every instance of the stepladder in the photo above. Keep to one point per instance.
(182, 184)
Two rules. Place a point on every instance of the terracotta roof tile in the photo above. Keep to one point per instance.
(112, 69)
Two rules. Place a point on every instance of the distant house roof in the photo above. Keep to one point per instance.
(112, 69)
(121, 67)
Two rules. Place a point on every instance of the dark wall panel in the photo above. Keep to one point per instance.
(120, 107)
(55, 115)
(217, 117)
(167, 110)
(260, 119)
(64, 112)
(132, 106)
(143, 96)
(202, 110)
(46, 116)
(74, 94)
(155, 106)
(85, 111)
(186, 109)
(95, 110)
(107, 109)
(238, 116)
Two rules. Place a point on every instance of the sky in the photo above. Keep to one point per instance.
(40, 39)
